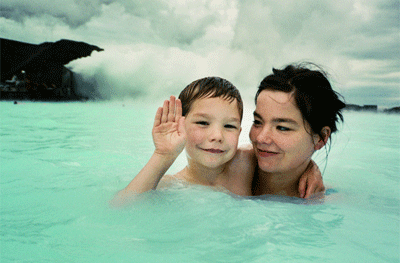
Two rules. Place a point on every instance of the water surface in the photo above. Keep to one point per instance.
(62, 162)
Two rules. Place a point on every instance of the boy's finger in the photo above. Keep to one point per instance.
(181, 126)
(164, 117)
(178, 110)
(157, 119)
(302, 186)
(314, 188)
(310, 190)
(171, 110)
(320, 189)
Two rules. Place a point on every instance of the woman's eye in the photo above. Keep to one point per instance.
(281, 128)
(257, 122)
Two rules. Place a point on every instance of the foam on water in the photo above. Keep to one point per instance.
(62, 162)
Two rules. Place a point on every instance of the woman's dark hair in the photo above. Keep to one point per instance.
(318, 103)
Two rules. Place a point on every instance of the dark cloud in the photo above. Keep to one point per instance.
(379, 51)
(73, 13)
(376, 33)
(373, 95)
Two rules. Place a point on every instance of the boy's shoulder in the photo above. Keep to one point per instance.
(245, 153)
(169, 180)
(241, 170)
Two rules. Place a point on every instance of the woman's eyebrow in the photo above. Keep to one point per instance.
(278, 119)
(257, 115)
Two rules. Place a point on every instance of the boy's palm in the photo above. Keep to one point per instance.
(168, 139)
(168, 131)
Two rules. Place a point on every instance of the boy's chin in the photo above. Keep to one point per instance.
(214, 163)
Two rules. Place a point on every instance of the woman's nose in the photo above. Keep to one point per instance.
(265, 136)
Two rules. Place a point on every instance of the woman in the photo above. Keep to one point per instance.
(296, 113)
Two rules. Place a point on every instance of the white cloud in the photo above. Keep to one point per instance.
(156, 43)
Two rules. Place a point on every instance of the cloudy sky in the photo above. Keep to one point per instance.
(156, 47)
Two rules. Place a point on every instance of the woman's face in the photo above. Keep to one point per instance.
(279, 135)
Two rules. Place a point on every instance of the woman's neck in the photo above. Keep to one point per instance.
(279, 183)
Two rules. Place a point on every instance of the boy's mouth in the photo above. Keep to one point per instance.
(213, 150)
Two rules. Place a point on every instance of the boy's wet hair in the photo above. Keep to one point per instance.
(210, 87)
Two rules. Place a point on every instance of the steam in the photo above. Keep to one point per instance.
(154, 71)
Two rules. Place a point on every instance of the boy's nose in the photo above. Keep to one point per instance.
(216, 134)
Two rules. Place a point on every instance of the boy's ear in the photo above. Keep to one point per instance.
(320, 142)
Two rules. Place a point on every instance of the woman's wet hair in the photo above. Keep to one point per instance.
(210, 87)
(318, 103)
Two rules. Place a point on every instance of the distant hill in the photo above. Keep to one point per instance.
(370, 108)
(37, 72)
(392, 110)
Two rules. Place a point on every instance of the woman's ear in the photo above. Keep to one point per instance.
(320, 142)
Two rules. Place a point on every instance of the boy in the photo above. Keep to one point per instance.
(206, 120)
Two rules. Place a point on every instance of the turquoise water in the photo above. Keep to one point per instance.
(62, 162)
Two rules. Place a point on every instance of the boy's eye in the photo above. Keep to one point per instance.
(230, 126)
(202, 123)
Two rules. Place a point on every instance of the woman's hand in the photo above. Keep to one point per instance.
(168, 130)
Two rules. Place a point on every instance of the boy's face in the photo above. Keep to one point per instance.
(212, 130)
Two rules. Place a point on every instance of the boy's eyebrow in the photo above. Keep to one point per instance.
(277, 120)
(234, 119)
(201, 115)
(208, 116)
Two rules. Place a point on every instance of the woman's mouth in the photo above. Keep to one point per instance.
(263, 153)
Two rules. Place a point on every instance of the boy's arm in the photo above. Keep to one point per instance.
(241, 171)
(311, 180)
(169, 140)
(147, 179)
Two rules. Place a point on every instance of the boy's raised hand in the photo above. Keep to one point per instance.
(168, 130)
(311, 181)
